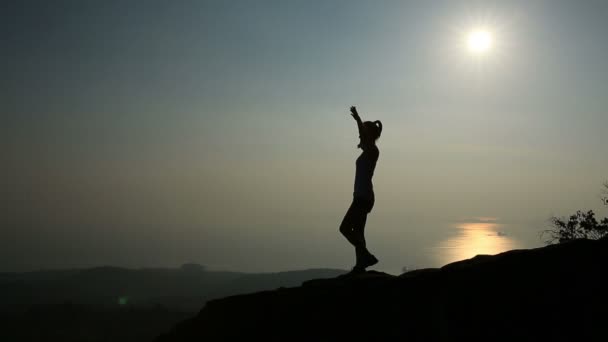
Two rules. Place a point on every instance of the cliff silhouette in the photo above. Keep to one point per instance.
(552, 293)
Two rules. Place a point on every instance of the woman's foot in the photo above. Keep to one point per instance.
(357, 270)
(368, 260)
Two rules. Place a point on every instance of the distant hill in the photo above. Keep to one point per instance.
(184, 289)
(118, 304)
(554, 293)
(76, 322)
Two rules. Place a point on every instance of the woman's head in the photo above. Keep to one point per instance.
(373, 129)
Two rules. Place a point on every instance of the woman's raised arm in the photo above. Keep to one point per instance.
(362, 131)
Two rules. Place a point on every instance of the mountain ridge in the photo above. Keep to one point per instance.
(551, 292)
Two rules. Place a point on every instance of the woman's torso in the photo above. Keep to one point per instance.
(365, 166)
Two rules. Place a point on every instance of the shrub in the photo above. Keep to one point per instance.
(581, 225)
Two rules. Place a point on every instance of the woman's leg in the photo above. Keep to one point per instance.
(346, 227)
(359, 235)
(364, 257)
(353, 226)
(359, 228)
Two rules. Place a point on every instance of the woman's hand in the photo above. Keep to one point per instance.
(353, 112)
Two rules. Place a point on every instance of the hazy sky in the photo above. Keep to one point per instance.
(152, 133)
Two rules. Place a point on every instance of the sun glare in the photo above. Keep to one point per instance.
(474, 238)
(479, 42)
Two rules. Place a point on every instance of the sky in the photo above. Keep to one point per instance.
(154, 133)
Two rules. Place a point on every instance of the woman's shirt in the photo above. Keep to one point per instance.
(365, 166)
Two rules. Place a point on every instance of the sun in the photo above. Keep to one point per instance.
(479, 41)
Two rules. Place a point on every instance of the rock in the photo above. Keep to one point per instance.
(552, 293)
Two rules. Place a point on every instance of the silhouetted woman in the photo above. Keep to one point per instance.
(353, 224)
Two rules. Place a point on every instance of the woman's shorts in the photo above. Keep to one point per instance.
(363, 204)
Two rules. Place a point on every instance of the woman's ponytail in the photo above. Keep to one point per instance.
(379, 125)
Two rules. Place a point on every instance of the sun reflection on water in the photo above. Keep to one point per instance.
(474, 238)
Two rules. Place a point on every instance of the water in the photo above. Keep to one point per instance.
(472, 238)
